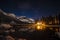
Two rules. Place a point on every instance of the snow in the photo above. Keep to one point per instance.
(6, 25)
(12, 15)
(21, 18)
(25, 19)
(3, 12)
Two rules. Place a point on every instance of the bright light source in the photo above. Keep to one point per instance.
(40, 25)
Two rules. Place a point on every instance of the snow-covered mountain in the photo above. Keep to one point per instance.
(2, 12)
(13, 17)
(25, 19)
(8, 20)
(7, 14)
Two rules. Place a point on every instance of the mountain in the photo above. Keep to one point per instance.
(25, 19)
(9, 17)
(11, 20)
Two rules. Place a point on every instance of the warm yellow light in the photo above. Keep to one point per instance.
(40, 25)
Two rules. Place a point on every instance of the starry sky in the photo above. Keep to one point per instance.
(31, 8)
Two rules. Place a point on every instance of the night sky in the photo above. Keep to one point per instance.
(31, 8)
